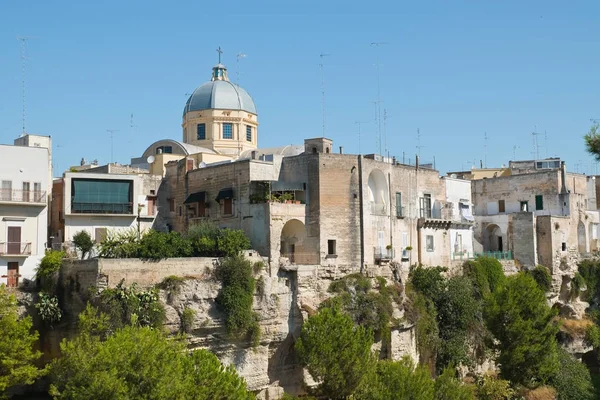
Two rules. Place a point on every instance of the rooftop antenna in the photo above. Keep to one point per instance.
(378, 104)
(536, 145)
(545, 143)
(515, 147)
(23, 40)
(111, 131)
(132, 127)
(237, 69)
(220, 52)
(359, 123)
(385, 117)
(485, 138)
(323, 87)
(419, 147)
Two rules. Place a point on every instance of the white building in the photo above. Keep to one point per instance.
(458, 195)
(25, 171)
(102, 202)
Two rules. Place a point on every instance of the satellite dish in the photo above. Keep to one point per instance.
(202, 164)
(150, 159)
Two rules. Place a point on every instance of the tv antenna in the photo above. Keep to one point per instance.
(536, 145)
(23, 40)
(418, 146)
(237, 66)
(132, 127)
(321, 65)
(385, 117)
(378, 103)
(111, 131)
(515, 147)
(359, 123)
(485, 139)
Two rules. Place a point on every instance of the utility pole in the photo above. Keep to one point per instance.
(359, 123)
(536, 146)
(321, 65)
(111, 131)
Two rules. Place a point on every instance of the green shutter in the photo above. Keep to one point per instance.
(539, 202)
(398, 204)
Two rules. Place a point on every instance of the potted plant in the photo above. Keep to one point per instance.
(388, 247)
(287, 198)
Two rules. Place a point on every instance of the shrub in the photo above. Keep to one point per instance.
(258, 267)
(121, 244)
(475, 271)
(573, 381)
(50, 264)
(542, 276)
(577, 284)
(48, 308)
(448, 387)
(237, 295)
(156, 245)
(491, 388)
(493, 271)
(187, 320)
(172, 285)
(83, 242)
(231, 242)
(428, 281)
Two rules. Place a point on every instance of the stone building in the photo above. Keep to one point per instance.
(540, 214)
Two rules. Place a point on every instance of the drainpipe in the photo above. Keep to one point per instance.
(419, 255)
(361, 214)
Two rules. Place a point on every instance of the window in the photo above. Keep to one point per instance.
(180, 212)
(101, 196)
(314, 150)
(539, 202)
(172, 205)
(37, 192)
(201, 132)
(164, 149)
(564, 246)
(425, 203)
(429, 243)
(547, 164)
(6, 190)
(151, 205)
(248, 133)
(26, 191)
(501, 206)
(399, 205)
(227, 206)
(524, 206)
(227, 131)
(331, 247)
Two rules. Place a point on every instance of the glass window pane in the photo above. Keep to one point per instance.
(227, 131)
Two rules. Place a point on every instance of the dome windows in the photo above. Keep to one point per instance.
(227, 130)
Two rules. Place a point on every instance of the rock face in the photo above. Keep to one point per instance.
(283, 301)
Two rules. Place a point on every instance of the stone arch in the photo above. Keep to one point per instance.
(378, 188)
(581, 238)
(493, 238)
(293, 234)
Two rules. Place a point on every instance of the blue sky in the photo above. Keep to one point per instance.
(455, 70)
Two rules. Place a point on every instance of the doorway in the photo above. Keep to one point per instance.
(13, 245)
(13, 275)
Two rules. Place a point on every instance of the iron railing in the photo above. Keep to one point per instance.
(23, 196)
(498, 255)
(101, 208)
(463, 255)
(15, 248)
(382, 253)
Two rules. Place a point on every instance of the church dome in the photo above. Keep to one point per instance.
(220, 94)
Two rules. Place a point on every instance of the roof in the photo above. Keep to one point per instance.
(180, 148)
(221, 95)
(285, 151)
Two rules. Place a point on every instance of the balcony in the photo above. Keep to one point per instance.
(102, 208)
(15, 248)
(383, 254)
(23, 196)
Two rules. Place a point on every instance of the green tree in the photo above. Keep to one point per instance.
(592, 141)
(48, 269)
(520, 319)
(542, 276)
(17, 346)
(448, 387)
(83, 242)
(336, 352)
(573, 380)
(140, 363)
(491, 388)
(231, 242)
(398, 380)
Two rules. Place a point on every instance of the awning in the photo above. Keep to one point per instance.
(225, 194)
(279, 186)
(197, 197)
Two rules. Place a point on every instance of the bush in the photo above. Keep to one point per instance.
(121, 244)
(83, 242)
(231, 242)
(428, 281)
(577, 284)
(542, 276)
(573, 381)
(172, 285)
(491, 388)
(237, 295)
(187, 320)
(156, 245)
(48, 308)
(448, 387)
(493, 271)
(50, 264)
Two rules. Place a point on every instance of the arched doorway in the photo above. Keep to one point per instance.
(292, 239)
(378, 192)
(581, 240)
(494, 241)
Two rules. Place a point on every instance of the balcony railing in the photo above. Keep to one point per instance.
(23, 196)
(462, 255)
(15, 248)
(382, 253)
(498, 255)
(102, 208)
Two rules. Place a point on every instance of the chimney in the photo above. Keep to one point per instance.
(563, 177)
(341, 150)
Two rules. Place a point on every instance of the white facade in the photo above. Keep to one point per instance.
(99, 217)
(24, 181)
(458, 193)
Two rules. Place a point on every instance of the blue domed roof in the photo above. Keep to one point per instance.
(221, 94)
